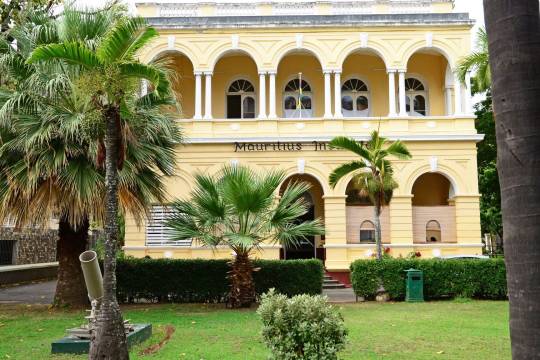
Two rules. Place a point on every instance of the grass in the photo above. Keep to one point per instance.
(434, 330)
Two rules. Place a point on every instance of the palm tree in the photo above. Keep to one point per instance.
(238, 208)
(513, 29)
(28, 91)
(373, 172)
(109, 76)
(478, 61)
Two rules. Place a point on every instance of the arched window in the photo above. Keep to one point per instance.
(367, 232)
(297, 99)
(241, 100)
(433, 231)
(415, 94)
(355, 98)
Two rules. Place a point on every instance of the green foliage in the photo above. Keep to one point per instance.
(483, 279)
(488, 178)
(302, 327)
(238, 208)
(478, 62)
(291, 277)
(185, 281)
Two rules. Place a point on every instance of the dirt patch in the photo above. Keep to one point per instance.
(168, 330)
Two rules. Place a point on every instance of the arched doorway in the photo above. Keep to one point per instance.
(427, 89)
(235, 86)
(434, 216)
(364, 85)
(300, 85)
(183, 81)
(313, 246)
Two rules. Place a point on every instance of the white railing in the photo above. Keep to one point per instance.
(190, 8)
(352, 7)
(296, 8)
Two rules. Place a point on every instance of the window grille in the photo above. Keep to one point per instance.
(157, 233)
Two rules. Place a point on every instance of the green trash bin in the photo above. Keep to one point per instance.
(415, 285)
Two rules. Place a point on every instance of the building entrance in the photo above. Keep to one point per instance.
(313, 246)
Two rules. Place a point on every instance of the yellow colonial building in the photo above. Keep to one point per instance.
(354, 66)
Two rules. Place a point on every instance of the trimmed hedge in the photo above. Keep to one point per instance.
(201, 281)
(482, 279)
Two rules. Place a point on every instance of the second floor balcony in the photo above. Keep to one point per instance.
(302, 98)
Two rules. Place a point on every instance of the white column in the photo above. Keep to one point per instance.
(208, 95)
(198, 95)
(457, 96)
(391, 93)
(402, 100)
(468, 94)
(262, 95)
(448, 101)
(272, 103)
(327, 95)
(337, 94)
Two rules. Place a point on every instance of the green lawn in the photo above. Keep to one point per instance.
(435, 330)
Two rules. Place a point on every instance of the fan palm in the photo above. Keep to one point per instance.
(109, 76)
(478, 61)
(373, 173)
(238, 208)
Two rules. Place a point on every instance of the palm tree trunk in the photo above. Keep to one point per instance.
(377, 219)
(241, 277)
(513, 29)
(109, 341)
(70, 287)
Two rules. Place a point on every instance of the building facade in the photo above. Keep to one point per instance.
(269, 83)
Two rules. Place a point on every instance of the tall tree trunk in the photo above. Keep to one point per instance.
(513, 28)
(377, 219)
(109, 341)
(70, 287)
(241, 277)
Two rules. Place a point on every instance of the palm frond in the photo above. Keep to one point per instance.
(125, 39)
(346, 143)
(344, 170)
(72, 52)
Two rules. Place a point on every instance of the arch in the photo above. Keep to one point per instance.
(431, 189)
(358, 97)
(416, 86)
(433, 231)
(154, 52)
(437, 47)
(367, 232)
(224, 50)
(292, 49)
(319, 174)
(291, 94)
(356, 47)
(310, 174)
(456, 182)
(182, 79)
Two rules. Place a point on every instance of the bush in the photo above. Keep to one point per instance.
(302, 327)
(482, 279)
(182, 281)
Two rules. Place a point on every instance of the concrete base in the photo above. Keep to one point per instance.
(69, 345)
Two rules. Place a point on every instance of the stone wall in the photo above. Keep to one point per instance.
(32, 245)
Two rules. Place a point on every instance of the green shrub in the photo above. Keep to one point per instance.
(483, 279)
(194, 280)
(301, 327)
